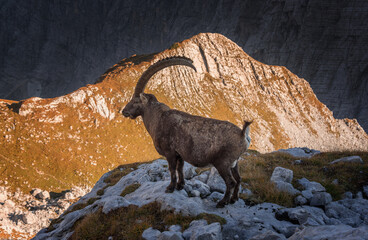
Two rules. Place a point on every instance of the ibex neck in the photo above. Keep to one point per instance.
(152, 115)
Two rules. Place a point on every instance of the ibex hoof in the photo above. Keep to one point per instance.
(220, 204)
(169, 189)
(179, 186)
(233, 200)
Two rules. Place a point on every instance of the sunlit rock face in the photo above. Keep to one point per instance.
(48, 49)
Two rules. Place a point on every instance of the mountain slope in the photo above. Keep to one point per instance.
(72, 140)
(51, 48)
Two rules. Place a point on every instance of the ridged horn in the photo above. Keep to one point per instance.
(164, 63)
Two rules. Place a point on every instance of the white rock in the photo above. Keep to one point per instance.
(113, 202)
(69, 196)
(215, 181)
(151, 234)
(282, 174)
(348, 195)
(196, 185)
(189, 171)
(29, 218)
(307, 194)
(3, 196)
(335, 182)
(200, 230)
(43, 195)
(312, 186)
(320, 199)
(351, 159)
(359, 195)
(332, 232)
(300, 152)
(35, 191)
(268, 235)
(9, 204)
(168, 235)
(175, 228)
(300, 200)
(286, 187)
(215, 196)
(343, 214)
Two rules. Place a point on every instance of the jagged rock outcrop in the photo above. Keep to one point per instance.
(26, 214)
(52, 48)
(347, 216)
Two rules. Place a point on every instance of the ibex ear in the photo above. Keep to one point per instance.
(143, 98)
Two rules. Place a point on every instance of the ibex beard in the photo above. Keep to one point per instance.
(180, 136)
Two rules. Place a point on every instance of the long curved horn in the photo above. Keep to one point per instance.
(164, 63)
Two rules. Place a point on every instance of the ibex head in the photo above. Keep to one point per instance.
(135, 107)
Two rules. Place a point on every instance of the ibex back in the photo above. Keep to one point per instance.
(181, 137)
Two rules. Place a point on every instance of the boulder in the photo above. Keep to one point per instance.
(203, 177)
(268, 235)
(203, 231)
(320, 199)
(69, 196)
(9, 204)
(343, 214)
(312, 186)
(43, 195)
(35, 191)
(3, 197)
(300, 152)
(348, 195)
(307, 194)
(300, 200)
(359, 195)
(189, 171)
(29, 218)
(113, 202)
(215, 181)
(151, 234)
(282, 174)
(351, 159)
(199, 186)
(169, 235)
(286, 187)
(175, 228)
(215, 196)
(193, 227)
(332, 232)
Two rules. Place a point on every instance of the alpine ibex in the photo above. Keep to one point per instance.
(181, 137)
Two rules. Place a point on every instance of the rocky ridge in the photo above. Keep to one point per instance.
(82, 130)
(49, 49)
(26, 214)
(313, 219)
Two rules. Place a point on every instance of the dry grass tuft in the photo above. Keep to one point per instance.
(256, 171)
(131, 221)
(129, 189)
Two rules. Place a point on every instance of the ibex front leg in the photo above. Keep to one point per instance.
(171, 159)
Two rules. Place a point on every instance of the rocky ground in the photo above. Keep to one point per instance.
(26, 214)
(315, 215)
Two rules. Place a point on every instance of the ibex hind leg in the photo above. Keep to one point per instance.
(236, 175)
(225, 173)
(179, 170)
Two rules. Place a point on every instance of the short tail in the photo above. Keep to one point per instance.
(246, 128)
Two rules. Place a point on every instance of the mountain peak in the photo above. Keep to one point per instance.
(84, 129)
